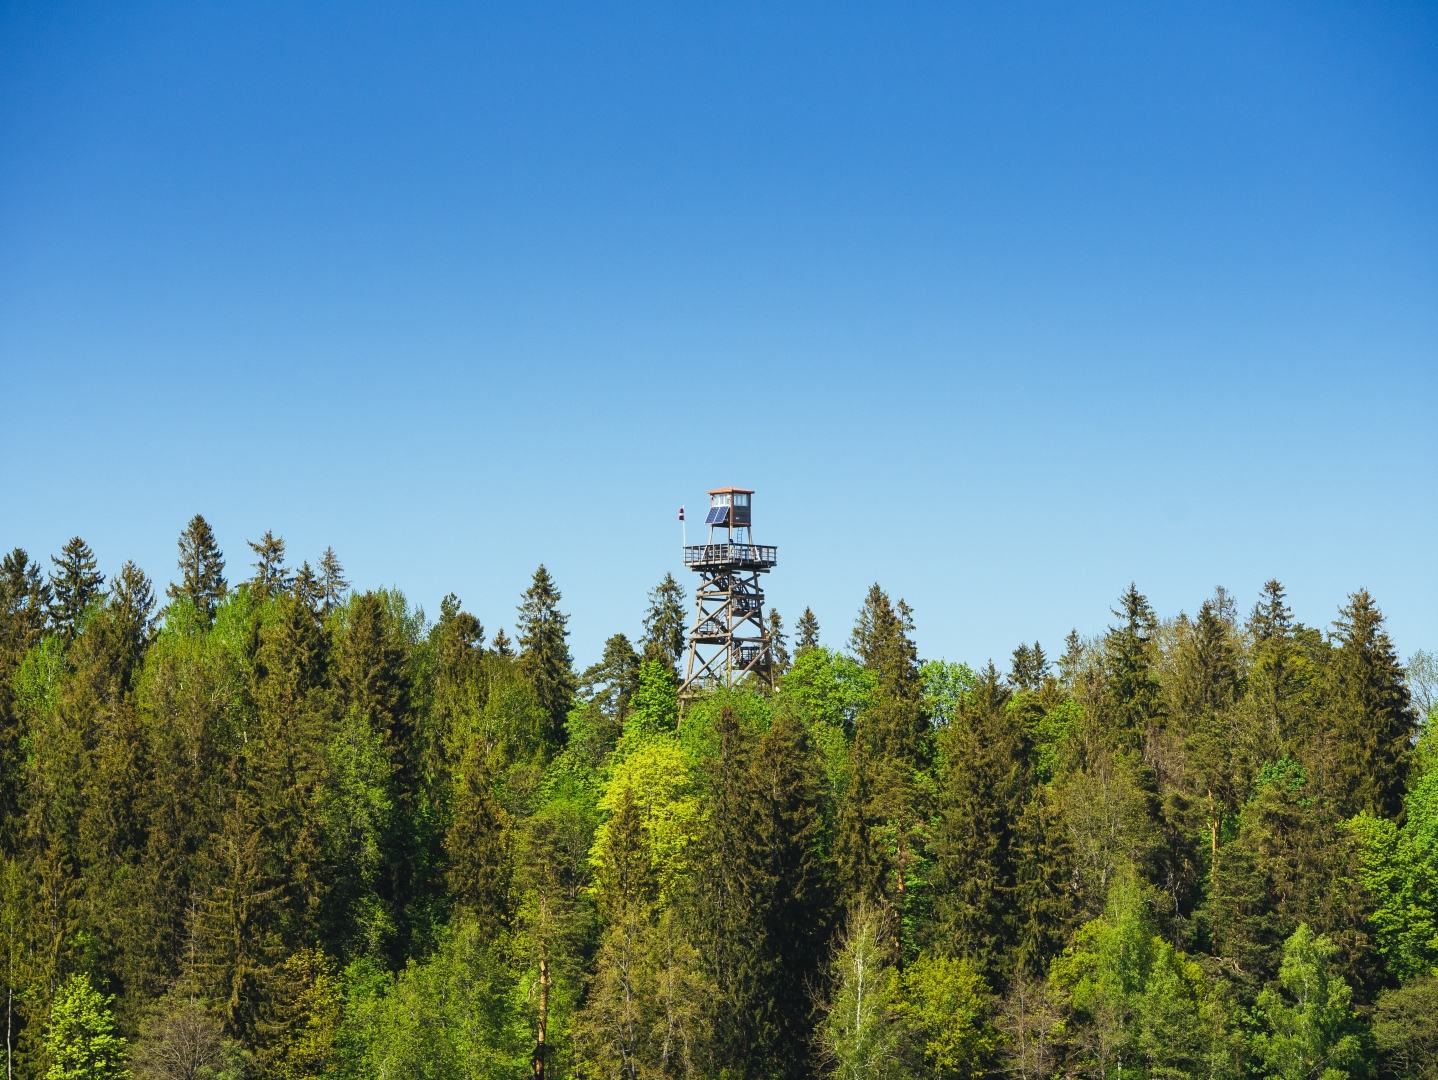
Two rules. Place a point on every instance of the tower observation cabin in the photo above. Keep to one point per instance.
(729, 640)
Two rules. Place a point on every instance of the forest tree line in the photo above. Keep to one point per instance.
(278, 828)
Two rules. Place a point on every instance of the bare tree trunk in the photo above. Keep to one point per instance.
(538, 1059)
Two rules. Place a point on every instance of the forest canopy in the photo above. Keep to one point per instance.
(281, 828)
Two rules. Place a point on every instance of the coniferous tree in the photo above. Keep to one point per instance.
(1043, 897)
(502, 645)
(789, 888)
(612, 682)
(1133, 693)
(664, 622)
(981, 803)
(480, 864)
(202, 569)
(544, 653)
(807, 630)
(74, 585)
(883, 642)
(1030, 667)
(271, 577)
(777, 641)
(1372, 715)
(333, 585)
(24, 611)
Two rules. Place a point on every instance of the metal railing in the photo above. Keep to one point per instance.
(755, 555)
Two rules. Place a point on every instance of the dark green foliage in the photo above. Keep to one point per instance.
(1132, 691)
(74, 585)
(806, 631)
(981, 803)
(271, 577)
(202, 569)
(1373, 720)
(777, 641)
(329, 840)
(544, 653)
(664, 623)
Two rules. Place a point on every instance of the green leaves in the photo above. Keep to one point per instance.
(81, 1043)
(1311, 1031)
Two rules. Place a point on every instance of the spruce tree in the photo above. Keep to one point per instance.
(1043, 897)
(24, 612)
(480, 865)
(1030, 667)
(789, 886)
(664, 622)
(271, 577)
(333, 585)
(544, 653)
(807, 630)
(883, 641)
(981, 801)
(1373, 717)
(502, 646)
(74, 585)
(612, 682)
(777, 640)
(202, 569)
(1132, 691)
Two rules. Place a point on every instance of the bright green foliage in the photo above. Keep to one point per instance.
(654, 708)
(1310, 1029)
(455, 1016)
(858, 1038)
(828, 687)
(941, 1003)
(520, 872)
(1400, 871)
(946, 689)
(81, 1043)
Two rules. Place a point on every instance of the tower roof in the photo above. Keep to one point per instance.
(730, 491)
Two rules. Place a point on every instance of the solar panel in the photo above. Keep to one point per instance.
(718, 515)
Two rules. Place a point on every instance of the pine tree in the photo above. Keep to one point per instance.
(1373, 717)
(808, 632)
(777, 641)
(202, 569)
(74, 584)
(544, 654)
(271, 578)
(307, 588)
(664, 622)
(333, 585)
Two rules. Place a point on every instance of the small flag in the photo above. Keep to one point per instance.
(681, 513)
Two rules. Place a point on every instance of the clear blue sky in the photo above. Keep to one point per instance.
(1000, 306)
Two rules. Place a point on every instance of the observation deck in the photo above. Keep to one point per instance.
(731, 556)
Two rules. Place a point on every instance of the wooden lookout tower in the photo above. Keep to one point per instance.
(729, 639)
